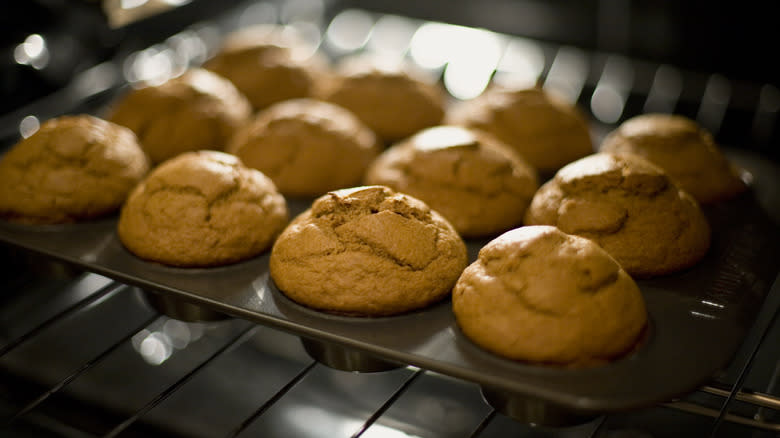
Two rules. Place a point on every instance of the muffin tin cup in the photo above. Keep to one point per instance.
(534, 411)
(344, 358)
(182, 310)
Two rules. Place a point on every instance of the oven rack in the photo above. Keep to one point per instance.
(76, 297)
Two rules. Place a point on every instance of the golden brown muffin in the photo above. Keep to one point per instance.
(307, 147)
(539, 295)
(367, 251)
(630, 207)
(543, 128)
(479, 184)
(682, 148)
(195, 111)
(202, 209)
(268, 63)
(73, 168)
(391, 98)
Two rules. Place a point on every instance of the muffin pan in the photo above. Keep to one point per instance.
(698, 317)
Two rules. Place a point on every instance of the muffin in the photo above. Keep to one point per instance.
(307, 147)
(391, 98)
(538, 295)
(73, 168)
(540, 126)
(630, 207)
(195, 111)
(367, 251)
(479, 184)
(682, 148)
(202, 209)
(268, 64)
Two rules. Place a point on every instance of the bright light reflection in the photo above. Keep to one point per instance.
(316, 421)
(349, 30)
(258, 13)
(473, 59)
(606, 104)
(32, 52)
(153, 66)
(521, 65)
(29, 126)
(391, 35)
(156, 346)
(427, 47)
(132, 4)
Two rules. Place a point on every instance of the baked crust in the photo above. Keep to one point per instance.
(682, 148)
(307, 147)
(367, 251)
(540, 126)
(478, 183)
(202, 209)
(73, 168)
(198, 110)
(630, 207)
(539, 295)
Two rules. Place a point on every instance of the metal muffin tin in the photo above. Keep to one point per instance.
(698, 318)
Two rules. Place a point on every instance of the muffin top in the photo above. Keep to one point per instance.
(682, 148)
(367, 251)
(202, 209)
(268, 64)
(197, 110)
(72, 168)
(307, 147)
(543, 128)
(478, 183)
(394, 100)
(539, 295)
(630, 207)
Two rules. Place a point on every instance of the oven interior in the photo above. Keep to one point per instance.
(84, 355)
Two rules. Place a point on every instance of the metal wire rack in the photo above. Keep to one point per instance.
(83, 355)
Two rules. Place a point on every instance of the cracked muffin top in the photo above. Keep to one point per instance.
(198, 110)
(630, 207)
(202, 209)
(307, 147)
(268, 64)
(73, 168)
(393, 99)
(478, 183)
(542, 127)
(539, 295)
(682, 148)
(367, 251)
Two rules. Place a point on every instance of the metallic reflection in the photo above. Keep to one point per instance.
(392, 36)
(474, 55)
(29, 126)
(665, 90)
(611, 93)
(156, 345)
(568, 73)
(521, 65)
(714, 102)
(428, 48)
(33, 52)
(349, 30)
(319, 422)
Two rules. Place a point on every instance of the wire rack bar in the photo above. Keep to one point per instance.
(698, 409)
(73, 308)
(742, 375)
(88, 365)
(483, 424)
(389, 402)
(271, 401)
(745, 395)
(245, 334)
